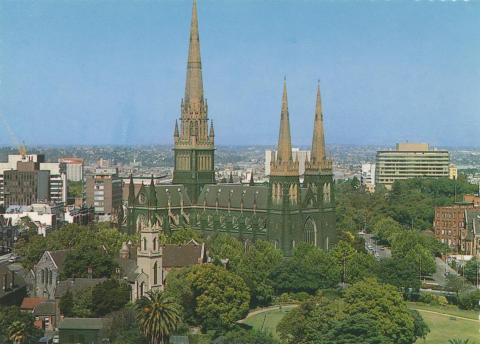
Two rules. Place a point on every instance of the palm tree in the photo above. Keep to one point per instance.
(158, 316)
(16, 332)
(459, 341)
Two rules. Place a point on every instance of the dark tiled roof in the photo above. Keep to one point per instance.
(82, 323)
(176, 256)
(76, 285)
(45, 308)
(59, 258)
(234, 195)
(164, 193)
(128, 268)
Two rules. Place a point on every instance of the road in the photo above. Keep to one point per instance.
(372, 247)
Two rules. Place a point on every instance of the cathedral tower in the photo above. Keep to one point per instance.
(194, 140)
(284, 185)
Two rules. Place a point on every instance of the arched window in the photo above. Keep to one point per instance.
(144, 243)
(155, 276)
(43, 276)
(310, 232)
(50, 277)
(154, 244)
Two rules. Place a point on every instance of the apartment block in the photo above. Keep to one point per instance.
(410, 160)
(104, 191)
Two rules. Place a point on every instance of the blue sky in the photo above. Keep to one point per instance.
(103, 72)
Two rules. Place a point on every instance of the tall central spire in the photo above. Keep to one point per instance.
(284, 153)
(194, 84)
(318, 142)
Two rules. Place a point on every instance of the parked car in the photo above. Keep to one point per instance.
(13, 259)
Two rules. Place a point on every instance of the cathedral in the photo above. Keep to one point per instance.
(283, 211)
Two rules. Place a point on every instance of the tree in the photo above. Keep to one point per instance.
(421, 328)
(78, 262)
(158, 316)
(224, 246)
(472, 271)
(15, 322)
(308, 270)
(110, 296)
(384, 304)
(123, 328)
(183, 236)
(400, 272)
(66, 304)
(179, 287)
(456, 284)
(16, 332)
(255, 267)
(385, 228)
(359, 328)
(220, 297)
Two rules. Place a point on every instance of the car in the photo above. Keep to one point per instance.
(382, 248)
(56, 339)
(13, 259)
(370, 247)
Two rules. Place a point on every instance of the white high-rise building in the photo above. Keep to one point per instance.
(368, 176)
(74, 168)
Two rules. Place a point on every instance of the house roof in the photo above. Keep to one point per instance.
(47, 307)
(76, 285)
(58, 257)
(82, 324)
(183, 255)
(29, 303)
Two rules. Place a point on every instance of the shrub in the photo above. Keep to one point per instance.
(469, 300)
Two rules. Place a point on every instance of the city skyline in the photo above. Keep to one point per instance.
(100, 81)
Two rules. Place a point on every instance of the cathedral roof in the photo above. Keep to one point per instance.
(234, 196)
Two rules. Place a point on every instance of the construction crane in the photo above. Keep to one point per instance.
(22, 150)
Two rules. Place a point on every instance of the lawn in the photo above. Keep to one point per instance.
(267, 321)
(442, 326)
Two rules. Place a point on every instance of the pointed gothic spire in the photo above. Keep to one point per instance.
(251, 182)
(176, 133)
(318, 141)
(152, 194)
(284, 147)
(131, 192)
(194, 84)
(212, 132)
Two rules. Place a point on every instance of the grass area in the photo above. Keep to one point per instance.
(442, 326)
(448, 309)
(267, 321)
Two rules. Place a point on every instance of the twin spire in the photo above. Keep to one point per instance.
(194, 84)
(284, 164)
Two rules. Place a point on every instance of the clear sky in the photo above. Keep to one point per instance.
(113, 72)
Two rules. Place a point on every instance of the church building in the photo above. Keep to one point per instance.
(283, 211)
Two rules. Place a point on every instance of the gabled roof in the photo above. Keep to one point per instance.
(29, 303)
(58, 258)
(177, 256)
(47, 307)
(82, 323)
(76, 285)
(165, 193)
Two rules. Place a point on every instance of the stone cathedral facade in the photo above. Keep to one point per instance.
(283, 211)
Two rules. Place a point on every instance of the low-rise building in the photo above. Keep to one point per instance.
(45, 216)
(82, 330)
(367, 177)
(12, 287)
(82, 215)
(473, 199)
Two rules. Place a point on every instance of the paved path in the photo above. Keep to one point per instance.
(445, 314)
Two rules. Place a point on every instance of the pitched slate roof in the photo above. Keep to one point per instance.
(176, 256)
(47, 307)
(232, 195)
(82, 323)
(164, 193)
(128, 268)
(58, 257)
(76, 285)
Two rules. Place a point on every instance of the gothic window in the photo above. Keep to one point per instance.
(154, 244)
(310, 232)
(43, 276)
(141, 289)
(144, 243)
(50, 277)
(155, 272)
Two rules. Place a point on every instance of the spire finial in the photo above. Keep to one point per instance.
(194, 84)
(318, 140)
(284, 139)
(176, 133)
